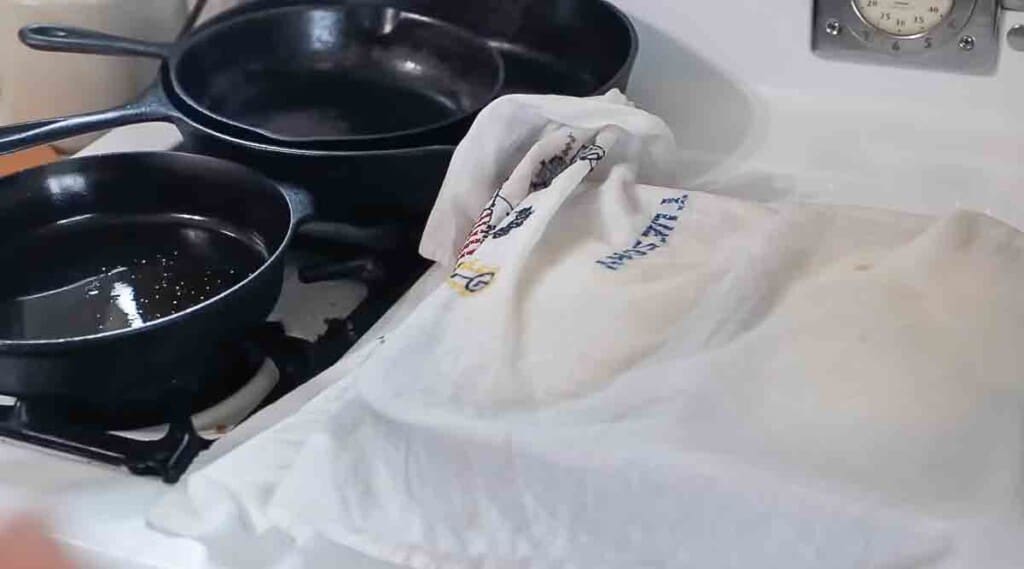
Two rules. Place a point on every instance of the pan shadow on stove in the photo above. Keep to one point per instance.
(712, 115)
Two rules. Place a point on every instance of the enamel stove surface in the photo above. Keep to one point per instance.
(76, 467)
(756, 114)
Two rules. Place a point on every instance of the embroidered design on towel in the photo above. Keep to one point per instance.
(519, 218)
(550, 169)
(471, 276)
(654, 236)
(592, 153)
(497, 209)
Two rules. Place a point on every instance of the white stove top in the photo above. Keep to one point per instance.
(756, 116)
(98, 511)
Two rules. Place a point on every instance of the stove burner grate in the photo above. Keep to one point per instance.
(168, 457)
(71, 428)
(59, 426)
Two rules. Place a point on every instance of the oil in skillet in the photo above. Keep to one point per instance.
(107, 273)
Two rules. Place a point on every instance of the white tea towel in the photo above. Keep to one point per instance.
(619, 375)
(520, 144)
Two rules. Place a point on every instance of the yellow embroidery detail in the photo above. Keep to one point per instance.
(471, 276)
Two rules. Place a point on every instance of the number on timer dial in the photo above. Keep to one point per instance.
(904, 17)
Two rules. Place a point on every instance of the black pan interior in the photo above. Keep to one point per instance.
(334, 72)
(99, 245)
(568, 47)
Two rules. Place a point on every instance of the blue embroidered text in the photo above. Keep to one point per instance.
(653, 237)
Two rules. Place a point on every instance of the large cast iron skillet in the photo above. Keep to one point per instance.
(331, 77)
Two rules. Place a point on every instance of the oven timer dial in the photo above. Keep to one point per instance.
(904, 18)
(949, 35)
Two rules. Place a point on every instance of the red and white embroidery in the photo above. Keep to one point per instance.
(495, 212)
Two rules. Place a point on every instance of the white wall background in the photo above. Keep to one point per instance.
(758, 115)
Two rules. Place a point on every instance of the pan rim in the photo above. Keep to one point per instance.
(184, 117)
(244, 9)
(634, 46)
(8, 345)
(182, 47)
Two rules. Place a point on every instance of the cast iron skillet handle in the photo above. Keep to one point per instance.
(368, 270)
(151, 106)
(47, 37)
(383, 238)
(373, 238)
